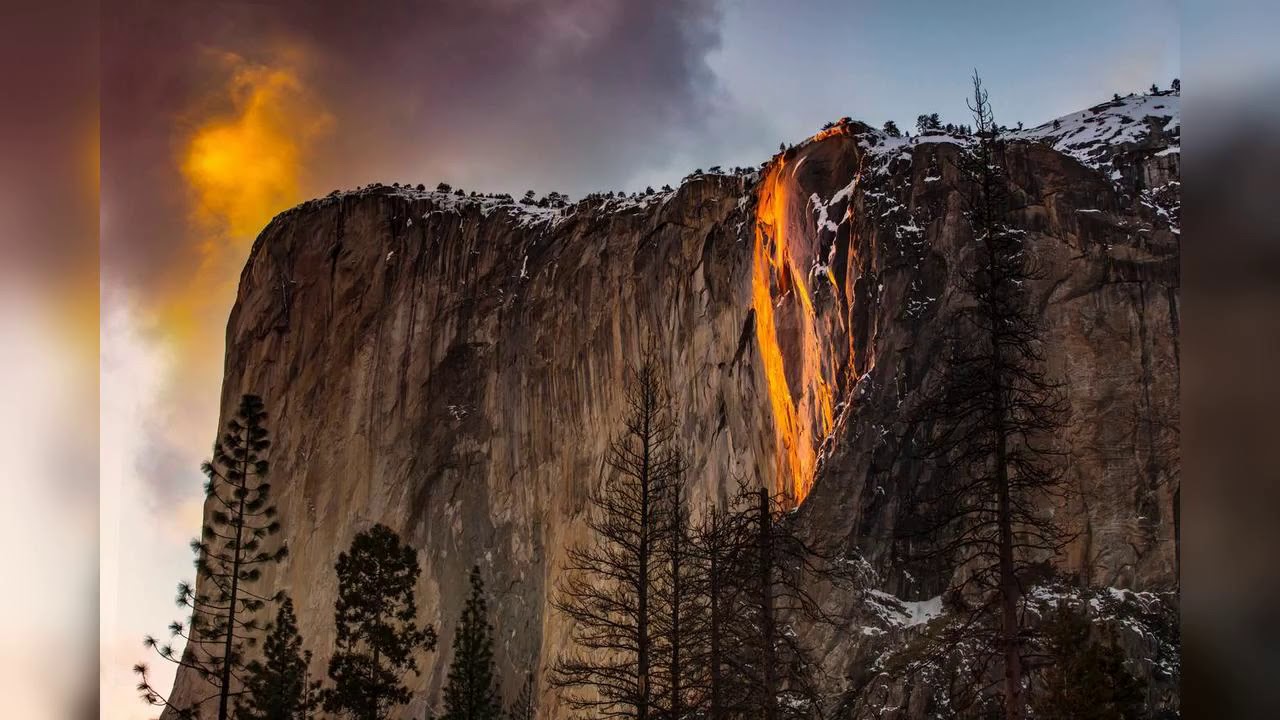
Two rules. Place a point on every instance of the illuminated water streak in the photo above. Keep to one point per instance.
(803, 415)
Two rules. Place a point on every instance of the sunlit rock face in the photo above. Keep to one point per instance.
(456, 371)
(454, 367)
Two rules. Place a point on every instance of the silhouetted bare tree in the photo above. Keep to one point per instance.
(778, 573)
(758, 584)
(718, 547)
(678, 603)
(608, 589)
(984, 425)
(676, 619)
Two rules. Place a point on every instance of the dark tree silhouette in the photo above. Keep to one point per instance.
(891, 129)
(1087, 678)
(472, 690)
(984, 425)
(677, 601)
(756, 580)
(777, 572)
(229, 557)
(927, 123)
(718, 543)
(524, 706)
(279, 686)
(607, 590)
(377, 632)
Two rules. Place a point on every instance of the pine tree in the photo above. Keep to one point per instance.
(891, 129)
(608, 587)
(279, 686)
(928, 122)
(524, 707)
(229, 558)
(377, 632)
(472, 689)
(1087, 678)
(985, 427)
(778, 668)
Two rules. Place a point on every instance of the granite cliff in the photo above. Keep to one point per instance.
(453, 366)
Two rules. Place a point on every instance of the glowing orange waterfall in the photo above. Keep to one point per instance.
(803, 414)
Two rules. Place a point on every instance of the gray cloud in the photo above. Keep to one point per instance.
(166, 470)
(492, 95)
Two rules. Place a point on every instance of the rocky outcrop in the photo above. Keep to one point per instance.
(454, 366)
(1109, 297)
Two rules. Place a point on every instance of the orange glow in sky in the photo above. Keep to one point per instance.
(244, 167)
(241, 165)
(242, 155)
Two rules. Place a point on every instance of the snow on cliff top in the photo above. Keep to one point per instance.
(445, 199)
(552, 208)
(1091, 136)
(1087, 135)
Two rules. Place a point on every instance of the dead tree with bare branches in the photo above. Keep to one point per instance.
(609, 588)
(984, 426)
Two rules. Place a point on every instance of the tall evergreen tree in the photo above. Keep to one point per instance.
(229, 559)
(608, 587)
(472, 690)
(524, 707)
(1087, 678)
(378, 637)
(279, 687)
(984, 426)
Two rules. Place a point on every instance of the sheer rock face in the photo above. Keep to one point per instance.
(458, 376)
(1109, 297)
(454, 368)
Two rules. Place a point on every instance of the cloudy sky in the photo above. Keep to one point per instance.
(217, 114)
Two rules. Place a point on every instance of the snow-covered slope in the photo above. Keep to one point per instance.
(1092, 136)
(1135, 141)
